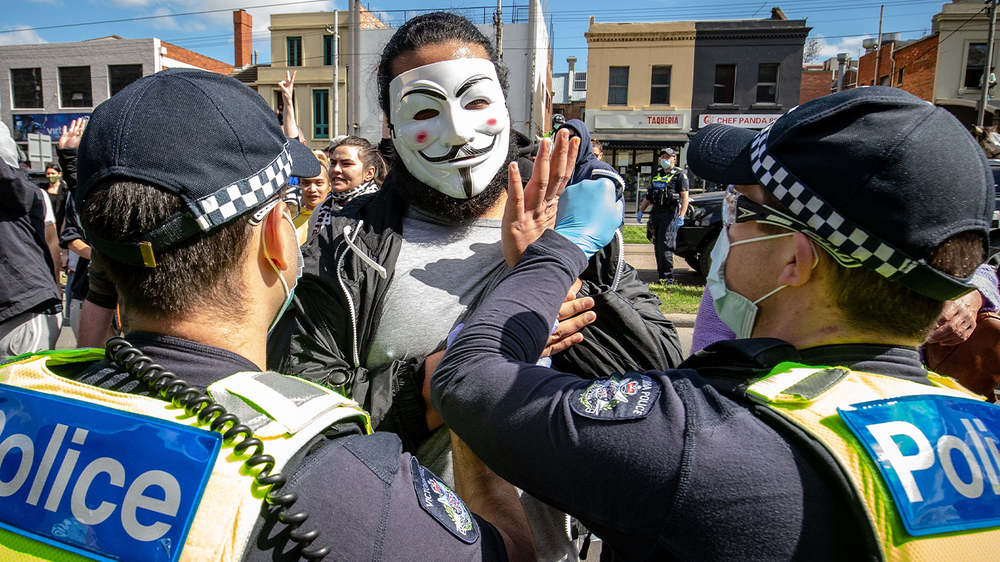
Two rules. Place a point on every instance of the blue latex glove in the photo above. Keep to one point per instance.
(589, 214)
(638, 217)
(677, 224)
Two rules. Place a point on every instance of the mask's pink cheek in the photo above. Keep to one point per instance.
(491, 122)
(421, 137)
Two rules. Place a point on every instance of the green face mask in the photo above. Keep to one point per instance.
(54, 179)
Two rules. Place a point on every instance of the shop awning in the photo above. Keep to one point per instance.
(639, 140)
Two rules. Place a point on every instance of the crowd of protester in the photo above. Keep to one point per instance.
(455, 300)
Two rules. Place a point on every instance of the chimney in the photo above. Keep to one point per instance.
(242, 38)
(571, 78)
(777, 14)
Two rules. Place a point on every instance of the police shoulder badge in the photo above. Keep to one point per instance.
(618, 397)
(443, 504)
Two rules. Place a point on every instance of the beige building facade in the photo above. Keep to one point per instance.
(305, 43)
(961, 58)
(639, 88)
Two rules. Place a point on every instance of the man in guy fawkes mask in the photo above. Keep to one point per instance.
(392, 274)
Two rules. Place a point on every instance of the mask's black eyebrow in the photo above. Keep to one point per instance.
(426, 92)
(470, 83)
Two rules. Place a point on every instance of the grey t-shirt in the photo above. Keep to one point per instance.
(441, 270)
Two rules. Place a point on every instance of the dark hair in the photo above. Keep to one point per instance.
(202, 271)
(368, 154)
(53, 166)
(430, 29)
(872, 303)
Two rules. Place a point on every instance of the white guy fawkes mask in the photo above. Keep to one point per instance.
(450, 124)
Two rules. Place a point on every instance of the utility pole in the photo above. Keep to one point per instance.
(354, 71)
(335, 94)
(498, 22)
(984, 88)
(878, 46)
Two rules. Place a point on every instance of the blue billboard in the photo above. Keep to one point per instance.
(50, 124)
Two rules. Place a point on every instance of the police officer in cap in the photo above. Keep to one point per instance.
(173, 443)
(821, 437)
(668, 195)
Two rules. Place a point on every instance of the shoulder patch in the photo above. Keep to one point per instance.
(443, 504)
(618, 397)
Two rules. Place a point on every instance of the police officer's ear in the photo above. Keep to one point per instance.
(801, 257)
(277, 238)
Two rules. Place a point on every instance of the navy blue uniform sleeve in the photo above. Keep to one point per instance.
(658, 464)
(71, 226)
(370, 501)
(530, 424)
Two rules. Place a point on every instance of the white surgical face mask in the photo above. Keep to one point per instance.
(665, 163)
(450, 124)
(737, 311)
(289, 292)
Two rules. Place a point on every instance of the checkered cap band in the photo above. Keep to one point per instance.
(239, 197)
(850, 244)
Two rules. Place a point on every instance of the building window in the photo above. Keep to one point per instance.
(580, 81)
(321, 114)
(725, 83)
(975, 64)
(659, 89)
(121, 75)
(618, 85)
(328, 50)
(767, 83)
(294, 51)
(74, 87)
(899, 76)
(26, 87)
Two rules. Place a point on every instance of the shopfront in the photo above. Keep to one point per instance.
(632, 141)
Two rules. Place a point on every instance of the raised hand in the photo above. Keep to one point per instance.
(288, 85)
(71, 135)
(532, 209)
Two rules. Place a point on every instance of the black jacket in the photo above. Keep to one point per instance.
(326, 333)
(25, 262)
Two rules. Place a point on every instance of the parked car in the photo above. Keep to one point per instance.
(703, 224)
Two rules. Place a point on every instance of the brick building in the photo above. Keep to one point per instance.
(816, 83)
(908, 65)
(45, 86)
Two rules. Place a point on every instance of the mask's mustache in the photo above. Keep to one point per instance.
(468, 151)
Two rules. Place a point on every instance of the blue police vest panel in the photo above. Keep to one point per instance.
(939, 457)
(102, 483)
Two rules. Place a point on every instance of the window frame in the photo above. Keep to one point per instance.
(760, 84)
(329, 53)
(577, 80)
(297, 59)
(39, 88)
(654, 87)
(618, 88)
(731, 85)
(64, 88)
(982, 68)
(321, 118)
(111, 86)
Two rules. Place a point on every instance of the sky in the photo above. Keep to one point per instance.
(839, 25)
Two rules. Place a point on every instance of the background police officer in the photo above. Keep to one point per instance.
(822, 437)
(668, 196)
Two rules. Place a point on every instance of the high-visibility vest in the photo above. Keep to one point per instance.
(285, 413)
(855, 415)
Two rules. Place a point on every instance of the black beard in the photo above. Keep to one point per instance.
(429, 200)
